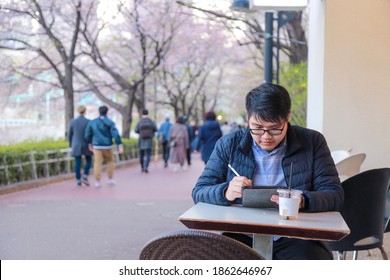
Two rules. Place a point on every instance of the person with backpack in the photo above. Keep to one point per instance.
(146, 129)
(99, 134)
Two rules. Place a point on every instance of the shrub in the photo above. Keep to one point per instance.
(294, 79)
(38, 159)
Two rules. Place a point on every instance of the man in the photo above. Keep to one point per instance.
(163, 136)
(262, 154)
(80, 146)
(146, 129)
(99, 135)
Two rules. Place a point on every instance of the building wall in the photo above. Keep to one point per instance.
(356, 78)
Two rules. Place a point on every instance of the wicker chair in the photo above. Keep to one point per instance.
(196, 245)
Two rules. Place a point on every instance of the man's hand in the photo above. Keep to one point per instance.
(120, 149)
(275, 198)
(235, 187)
(90, 147)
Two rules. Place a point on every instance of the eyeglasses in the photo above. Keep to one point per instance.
(272, 132)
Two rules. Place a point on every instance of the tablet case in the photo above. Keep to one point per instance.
(259, 196)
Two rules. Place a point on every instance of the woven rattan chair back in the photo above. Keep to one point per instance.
(196, 245)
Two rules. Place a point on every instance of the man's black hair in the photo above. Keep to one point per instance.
(103, 110)
(268, 102)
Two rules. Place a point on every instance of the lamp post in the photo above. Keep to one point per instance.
(268, 46)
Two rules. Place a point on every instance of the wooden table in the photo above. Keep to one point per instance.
(264, 224)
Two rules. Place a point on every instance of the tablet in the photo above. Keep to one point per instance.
(260, 196)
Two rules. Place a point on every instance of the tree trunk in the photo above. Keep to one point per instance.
(298, 48)
(127, 119)
(69, 98)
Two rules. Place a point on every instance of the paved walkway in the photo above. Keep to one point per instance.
(61, 221)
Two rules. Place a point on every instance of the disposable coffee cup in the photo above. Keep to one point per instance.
(289, 204)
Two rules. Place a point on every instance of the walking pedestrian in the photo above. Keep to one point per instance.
(194, 131)
(225, 128)
(99, 135)
(235, 127)
(209, 133)
(163, 136)
(191, 137)
(146, 129)
(178, 141)
(79, 146)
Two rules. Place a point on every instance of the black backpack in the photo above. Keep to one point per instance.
(146, 130)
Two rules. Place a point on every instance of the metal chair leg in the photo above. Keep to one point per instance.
(387, 223)
(384, 255)
(341, 255)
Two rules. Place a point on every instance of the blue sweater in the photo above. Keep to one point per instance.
(314, 172)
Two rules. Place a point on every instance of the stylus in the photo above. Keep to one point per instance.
(232, 169)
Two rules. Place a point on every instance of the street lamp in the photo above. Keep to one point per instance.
(241, 6)
(272, 5)
(283, 6)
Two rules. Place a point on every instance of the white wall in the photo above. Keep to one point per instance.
(315, 98)
(351, 89)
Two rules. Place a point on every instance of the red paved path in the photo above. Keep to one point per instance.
(62, 221)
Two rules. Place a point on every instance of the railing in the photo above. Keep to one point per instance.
(33, 165)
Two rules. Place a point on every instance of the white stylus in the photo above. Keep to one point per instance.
(232, 169)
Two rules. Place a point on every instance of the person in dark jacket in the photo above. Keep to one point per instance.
(191, 136)
(209, 133)
(80, 146)
(146, 129)
(99, 135)
(262, 155)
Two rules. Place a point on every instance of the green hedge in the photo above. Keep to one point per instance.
(44, 145)
(27, 146)
(51, 158)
